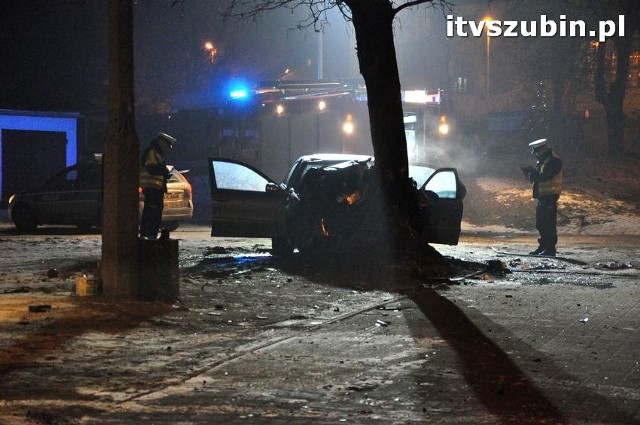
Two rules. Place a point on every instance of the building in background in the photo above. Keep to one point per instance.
(34, 145)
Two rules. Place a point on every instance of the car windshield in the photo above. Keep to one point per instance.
(298, 171)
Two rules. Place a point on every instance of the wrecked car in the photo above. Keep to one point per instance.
(324, 198)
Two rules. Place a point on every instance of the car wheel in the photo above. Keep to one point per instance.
(84, 227)
(280, 247)
(23, 219)
(98, 223)
(95, 226)
(171, 226)
(88, 228)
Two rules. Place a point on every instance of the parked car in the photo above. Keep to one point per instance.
(74, 197)
(324, 198)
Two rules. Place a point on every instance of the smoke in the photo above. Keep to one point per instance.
(463, 153)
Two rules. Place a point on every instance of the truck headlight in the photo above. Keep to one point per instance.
(443, 129)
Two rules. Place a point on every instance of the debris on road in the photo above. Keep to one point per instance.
(550, 257)
(41, 308)
(497, 267)
(613, 265)
(216, 250)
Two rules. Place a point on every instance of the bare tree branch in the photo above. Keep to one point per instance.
(244, 9)
(410, 4)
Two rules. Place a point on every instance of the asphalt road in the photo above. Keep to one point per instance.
(252, 340)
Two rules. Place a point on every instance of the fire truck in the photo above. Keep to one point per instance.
(270, 125)
(426, 126)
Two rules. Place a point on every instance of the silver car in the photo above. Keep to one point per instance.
(322, 199)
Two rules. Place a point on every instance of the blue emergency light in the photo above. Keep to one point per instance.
(238, 93)
(238, 89)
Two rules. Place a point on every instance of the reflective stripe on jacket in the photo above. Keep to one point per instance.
(552, 185)
(151, 164)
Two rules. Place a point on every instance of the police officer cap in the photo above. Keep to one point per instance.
(166, 138)
(538, 144)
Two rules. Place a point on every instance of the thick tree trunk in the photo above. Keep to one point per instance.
(612, 97)
(615, 125)
(373, 23)
(119, 266)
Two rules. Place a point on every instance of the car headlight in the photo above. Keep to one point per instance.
(443, 129)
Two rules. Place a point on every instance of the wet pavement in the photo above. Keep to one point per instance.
(533, 341)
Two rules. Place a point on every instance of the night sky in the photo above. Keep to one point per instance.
(54, 53)
(53, 57)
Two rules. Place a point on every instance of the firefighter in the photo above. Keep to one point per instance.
(153, 180)
(546, 178)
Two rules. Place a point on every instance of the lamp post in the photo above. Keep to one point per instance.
(322, 21)
(211, 48)
(320, 74)
(487, 81)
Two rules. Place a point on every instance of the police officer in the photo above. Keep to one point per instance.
(153, 180)
(547, 185)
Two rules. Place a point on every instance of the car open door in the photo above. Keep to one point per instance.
(244, 201)
(442, 214)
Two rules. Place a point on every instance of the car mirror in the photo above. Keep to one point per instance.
(272, 188)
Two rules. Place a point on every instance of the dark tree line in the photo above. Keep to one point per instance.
(611, 94)
(571, 65)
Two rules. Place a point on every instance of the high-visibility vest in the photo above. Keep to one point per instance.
(550, 187)
(151, 180)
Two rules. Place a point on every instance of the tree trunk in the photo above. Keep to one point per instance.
(373, 24)
(612, 97)
(615, 126)
(119, 265)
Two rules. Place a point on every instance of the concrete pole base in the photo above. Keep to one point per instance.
(159, 276)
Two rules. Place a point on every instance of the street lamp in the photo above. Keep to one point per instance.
(348, 127)
(487, 81)
(211, 48)
(284, 74)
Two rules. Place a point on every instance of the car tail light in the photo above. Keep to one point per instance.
(188, 190)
